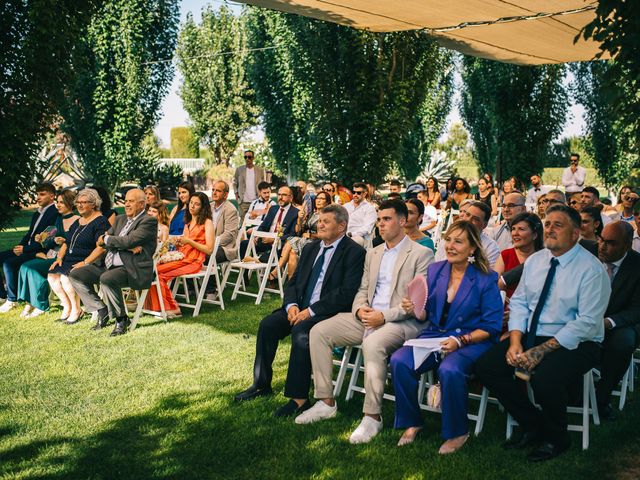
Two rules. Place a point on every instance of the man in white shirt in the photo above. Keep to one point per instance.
(512, 206)
(245, 182)
(573, 176)
(536, 190)
(362, 215)
(376, 321)
(479, 214)
(260, 206)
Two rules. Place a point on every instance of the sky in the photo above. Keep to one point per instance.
(173, 115)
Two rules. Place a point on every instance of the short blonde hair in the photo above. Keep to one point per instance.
(473, 235)
(93, 197)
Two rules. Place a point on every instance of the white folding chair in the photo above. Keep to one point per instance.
(589, 408)
(342, 371)
(200, 281)
(262, 269)
(141, 295)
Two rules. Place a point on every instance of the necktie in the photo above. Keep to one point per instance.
(610, 271)
(313, 278)
(279, 219)
(531, 334)
(108, 259)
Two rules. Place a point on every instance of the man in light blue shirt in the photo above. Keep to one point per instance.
(555, 329)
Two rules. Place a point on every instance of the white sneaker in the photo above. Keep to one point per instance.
(7, 306)
(319, 411)
(25, 311)
(36, 312)
(369, 427)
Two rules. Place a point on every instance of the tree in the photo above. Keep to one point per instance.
(184, 144)
(457, 147)
(36, 48)
(616, 27)
(123, 72)
(345, 96)
(212, 58)
(513, 113)
(610, 141)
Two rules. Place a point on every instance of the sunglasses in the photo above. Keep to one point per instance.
(327, 189)
(574, 202)
(358, 192)
(248, 157)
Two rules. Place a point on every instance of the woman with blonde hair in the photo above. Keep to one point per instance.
(81, 241)
(464, 311)
(152, 194)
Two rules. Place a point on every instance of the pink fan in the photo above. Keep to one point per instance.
(417, 292)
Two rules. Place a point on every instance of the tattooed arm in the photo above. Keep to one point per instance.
(532, 357)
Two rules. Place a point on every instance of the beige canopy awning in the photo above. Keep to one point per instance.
(525, 32)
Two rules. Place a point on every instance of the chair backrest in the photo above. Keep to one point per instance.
(211, 264)
(273, 254)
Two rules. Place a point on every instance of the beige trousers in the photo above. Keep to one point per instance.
(343, 330)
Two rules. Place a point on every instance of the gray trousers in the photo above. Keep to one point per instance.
(111, 281)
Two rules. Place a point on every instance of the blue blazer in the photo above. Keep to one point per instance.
(49, 218)
(477, 305)
(288, 223)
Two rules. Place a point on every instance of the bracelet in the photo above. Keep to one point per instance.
(457, 339)
(466, 339)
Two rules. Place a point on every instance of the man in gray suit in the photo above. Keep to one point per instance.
(245, 182)
(129, 245)
(225, 222)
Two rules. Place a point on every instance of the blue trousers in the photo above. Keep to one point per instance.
(453, 371)
(10, 266)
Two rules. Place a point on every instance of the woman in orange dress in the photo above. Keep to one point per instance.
(195, 244)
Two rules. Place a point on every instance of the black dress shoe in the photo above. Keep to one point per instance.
(527, 439)
(252, 392)
(547, 451)
(606, 412)
(103, 319)
(122, 323)
(292, 408)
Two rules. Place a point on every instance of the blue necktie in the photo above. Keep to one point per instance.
(313, 278)
(531, 335)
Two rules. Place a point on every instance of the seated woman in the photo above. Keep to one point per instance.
(527, 238)
(81, 241)
(152, 193)
(462, 192)
(308, 230)
(464, 309)
(33, 287)
(485, 195)
(195, 244)
(176, 219)
(414, 220)
(158, 210)
(591, 226)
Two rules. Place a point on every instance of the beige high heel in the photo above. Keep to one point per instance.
(453, 444)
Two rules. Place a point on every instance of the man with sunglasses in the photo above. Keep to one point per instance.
(362, 215)
(246, 179)
(574, 175)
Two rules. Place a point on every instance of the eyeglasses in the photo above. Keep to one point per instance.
(511, 205)
(327, 189)
(82, 202)
(550, 200)
(248, 157)
(574, 202)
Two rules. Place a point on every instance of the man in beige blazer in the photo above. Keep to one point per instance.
(225, 222)
(245, 182)
(376, 315)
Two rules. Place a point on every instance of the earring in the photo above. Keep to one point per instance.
(471, 259)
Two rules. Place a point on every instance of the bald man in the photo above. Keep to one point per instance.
(123, 258)
(622, 317)
(512, 205)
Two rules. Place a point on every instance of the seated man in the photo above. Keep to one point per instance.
(130, 245)
(26, 250)
(512, 206)
(479, 214)
(362, 214)
(377, 321)
(324, 283)
(555, 327)
(281, 218)
(590, 197)
(622, 317)
(259, 208)
(225, 222)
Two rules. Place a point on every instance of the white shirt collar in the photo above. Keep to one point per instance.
(334, 244)
(397, 247)
(617, 263)
(41, 210)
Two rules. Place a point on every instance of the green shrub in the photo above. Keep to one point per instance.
(184, 143)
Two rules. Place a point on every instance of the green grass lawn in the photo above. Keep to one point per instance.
(158, 403)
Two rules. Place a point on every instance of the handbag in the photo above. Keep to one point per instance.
(434, 397)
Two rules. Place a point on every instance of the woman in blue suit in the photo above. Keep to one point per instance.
(464, 309)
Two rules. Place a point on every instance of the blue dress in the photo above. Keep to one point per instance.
(81, 241)
(177, 224)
